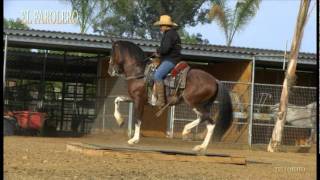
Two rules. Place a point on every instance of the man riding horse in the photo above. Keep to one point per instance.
(169, 53)
(128, 59)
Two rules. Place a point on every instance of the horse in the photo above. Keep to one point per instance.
(300, 116)
(201, 90)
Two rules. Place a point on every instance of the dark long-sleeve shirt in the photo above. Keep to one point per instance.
(170, 47)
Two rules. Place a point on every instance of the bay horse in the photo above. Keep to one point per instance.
(201, 90)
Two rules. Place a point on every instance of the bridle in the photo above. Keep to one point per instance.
(116, 69)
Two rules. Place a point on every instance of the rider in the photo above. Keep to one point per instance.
(169, 53)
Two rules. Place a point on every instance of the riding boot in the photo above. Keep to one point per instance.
(160, 93)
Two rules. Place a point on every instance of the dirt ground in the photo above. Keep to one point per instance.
(32, 158)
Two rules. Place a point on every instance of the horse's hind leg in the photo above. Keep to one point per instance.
(203, 147)
(205, 116)
(187, 128)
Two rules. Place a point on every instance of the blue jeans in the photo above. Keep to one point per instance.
(164, 69)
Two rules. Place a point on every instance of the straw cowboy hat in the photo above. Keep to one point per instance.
(165, 20)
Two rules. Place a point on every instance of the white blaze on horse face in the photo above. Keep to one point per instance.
(117, 113)
(203, 147)
(136, 136)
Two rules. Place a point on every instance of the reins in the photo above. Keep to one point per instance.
(140, 75)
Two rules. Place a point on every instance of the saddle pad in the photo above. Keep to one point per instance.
(178, 81)
(178, 68)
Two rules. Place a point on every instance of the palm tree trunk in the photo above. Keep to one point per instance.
(289, 80)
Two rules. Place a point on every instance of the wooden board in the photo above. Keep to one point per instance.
(155, 153)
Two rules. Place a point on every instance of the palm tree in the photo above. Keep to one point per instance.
(85, 11)
(231, 21)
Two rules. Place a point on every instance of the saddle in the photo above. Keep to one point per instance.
(174, 82)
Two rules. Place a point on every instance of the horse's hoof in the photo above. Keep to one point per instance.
(185, 132)
(133, 141)
(185, 137)
(120, 121)
(200, 150)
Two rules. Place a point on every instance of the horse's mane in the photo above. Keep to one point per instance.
(134, 50)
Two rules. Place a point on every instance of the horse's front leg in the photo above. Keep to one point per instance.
(138, 112)
(117, 113)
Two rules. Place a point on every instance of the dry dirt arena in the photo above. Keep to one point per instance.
(32, 158)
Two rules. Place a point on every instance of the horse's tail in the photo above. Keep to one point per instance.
(225, 117)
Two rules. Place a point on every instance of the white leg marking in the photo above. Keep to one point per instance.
(117, 113)
(203, 147)
(136, 136)
(187, 128)
(153, 100)
(154, 96)
(197, 112)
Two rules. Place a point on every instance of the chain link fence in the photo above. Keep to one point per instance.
(182, 114)
(300, 119)
(299, 128)
(247, 127)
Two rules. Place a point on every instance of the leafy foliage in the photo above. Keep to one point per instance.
(135, 18)
(233, 20)
(193, 38)
(14, 24)
(86, 11)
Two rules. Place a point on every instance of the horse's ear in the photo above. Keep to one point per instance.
(114, 42)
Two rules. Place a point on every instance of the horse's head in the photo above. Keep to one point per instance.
(126, 60)
(115, 62)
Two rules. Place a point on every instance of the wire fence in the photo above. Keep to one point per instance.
(300, 119)
(240, 96)
(301, 115)
(253, 119)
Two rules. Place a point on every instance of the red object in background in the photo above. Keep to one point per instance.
(29, 120)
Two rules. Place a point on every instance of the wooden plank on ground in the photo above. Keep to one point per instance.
(154, 153)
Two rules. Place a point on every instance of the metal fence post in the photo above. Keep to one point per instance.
(251, 102)
(103, 113)
(130, 118)
(170, 122)
(5, 63)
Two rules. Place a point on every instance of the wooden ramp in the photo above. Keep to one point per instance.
(154, 153)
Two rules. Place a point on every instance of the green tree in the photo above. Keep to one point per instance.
(85, 11)
(233, 20)
(14, 24)
(135, 18)
(192, 38)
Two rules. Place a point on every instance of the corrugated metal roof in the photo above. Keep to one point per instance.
(102, 44)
